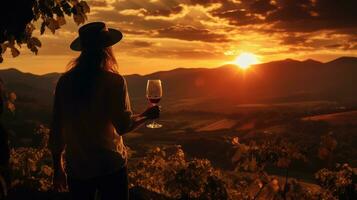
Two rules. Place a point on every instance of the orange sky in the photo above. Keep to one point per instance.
(166, 34)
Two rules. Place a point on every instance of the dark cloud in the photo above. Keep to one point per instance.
(288, 15)
(140, 43)
(261, 6)
(293, 39)
(296, 23)
(238, 17)
(281, 15)
(314, 15)
(291, 10)
(190, 33)
(334, 46)
(165, 12)
(339, 14)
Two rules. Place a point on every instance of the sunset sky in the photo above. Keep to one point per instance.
(166, 34)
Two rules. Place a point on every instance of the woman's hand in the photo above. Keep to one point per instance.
(151, 112)
(59, 181)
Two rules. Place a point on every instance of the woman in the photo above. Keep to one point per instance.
(91, 113)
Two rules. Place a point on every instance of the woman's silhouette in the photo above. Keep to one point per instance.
(91, 112)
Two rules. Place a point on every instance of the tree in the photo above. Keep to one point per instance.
(17, 19)
(19, 16)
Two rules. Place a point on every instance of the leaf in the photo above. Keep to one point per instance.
(30, 27)
(36, 41)
(66, 8)
(79, 19)
(53, 25)
(85, 7)
(61, 21)
(74, 2)
(43, 27)
(34, 49)
(4, 47)
(58, 11)
(14, 52)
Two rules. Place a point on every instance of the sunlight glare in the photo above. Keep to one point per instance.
(245, 60)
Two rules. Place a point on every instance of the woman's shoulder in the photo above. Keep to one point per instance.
(114, 77)
(64, 78)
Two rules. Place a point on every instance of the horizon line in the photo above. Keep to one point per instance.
(227, 63)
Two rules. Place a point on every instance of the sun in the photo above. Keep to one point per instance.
(245, 60)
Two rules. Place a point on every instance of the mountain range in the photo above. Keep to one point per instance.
(278, 81)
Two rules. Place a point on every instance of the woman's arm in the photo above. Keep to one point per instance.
(152, 112)
(122, 117)
(138, 120)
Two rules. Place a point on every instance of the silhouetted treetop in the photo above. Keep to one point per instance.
(17, 19)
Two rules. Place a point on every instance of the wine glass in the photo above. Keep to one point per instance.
(154, 94)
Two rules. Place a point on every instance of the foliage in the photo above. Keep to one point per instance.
(253, 160)
(340, 183)
(167, 171)
(31, 167)
(255, 157)
(17, 23)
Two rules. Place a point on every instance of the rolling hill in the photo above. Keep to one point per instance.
(279, 81)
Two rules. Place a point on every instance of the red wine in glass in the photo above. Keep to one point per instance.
(154, 100)
(154, 94)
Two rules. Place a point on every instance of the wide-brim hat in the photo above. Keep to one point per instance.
(95, 35)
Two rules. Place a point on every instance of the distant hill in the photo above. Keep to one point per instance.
(278, 81)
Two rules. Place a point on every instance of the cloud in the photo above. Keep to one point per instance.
(166, 12)
(294, 39)
(141, 43)
(190, 33)
(152, 8)
(262, 6)
(313, 15)
(188, 54)
(134, 12)
(98, 3)
(269, 27)
(287, 15)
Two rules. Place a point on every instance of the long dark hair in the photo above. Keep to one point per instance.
(96, 59)
(86, 68)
